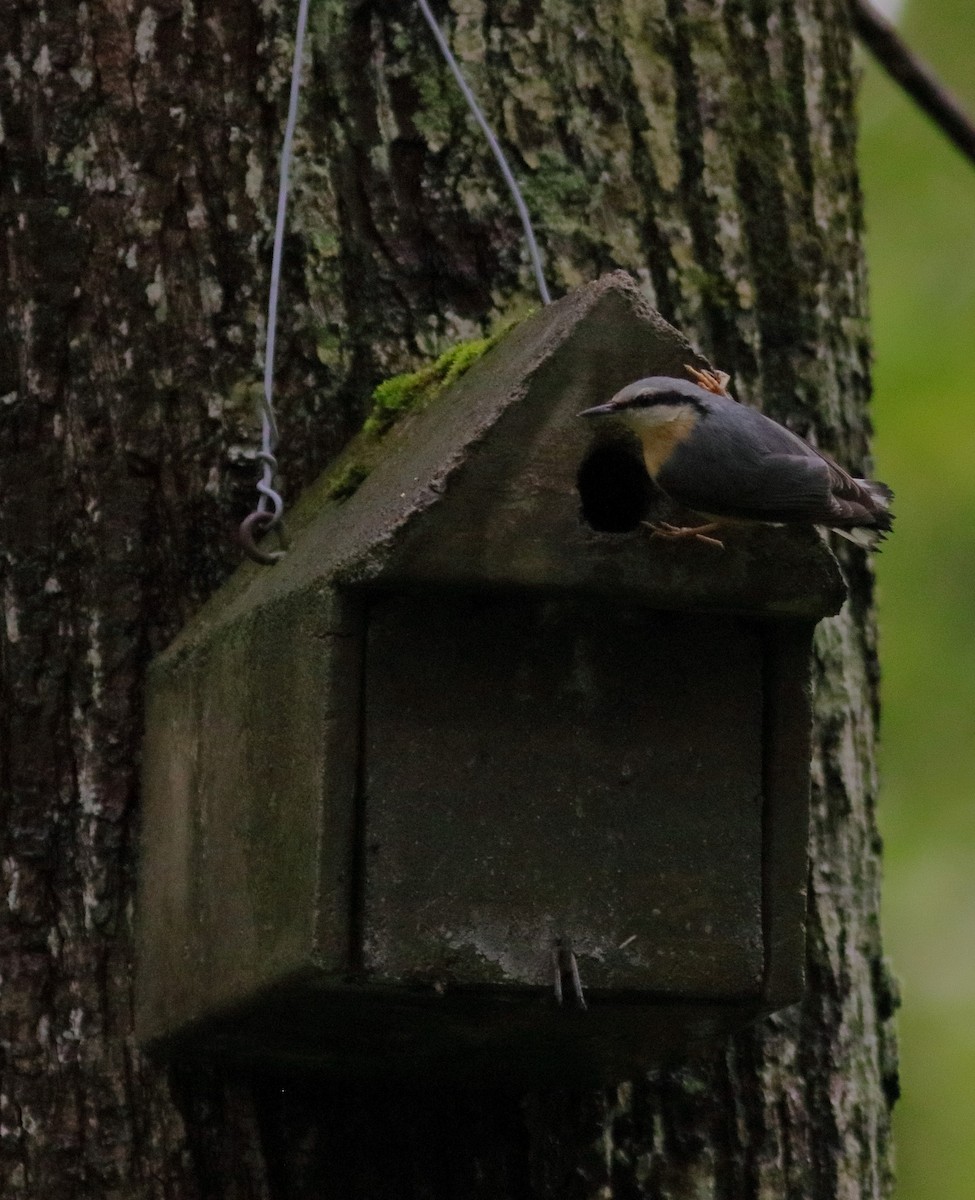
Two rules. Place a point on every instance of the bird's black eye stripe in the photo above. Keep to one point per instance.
(666, 400)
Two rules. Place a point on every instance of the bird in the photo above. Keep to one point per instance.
(731, 464)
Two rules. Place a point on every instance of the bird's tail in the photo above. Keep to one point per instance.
(879, 493)
(866, 537)
(869, 536)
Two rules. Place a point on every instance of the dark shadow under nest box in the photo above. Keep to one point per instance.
(476, 713)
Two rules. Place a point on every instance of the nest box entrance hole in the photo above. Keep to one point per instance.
(615, 492)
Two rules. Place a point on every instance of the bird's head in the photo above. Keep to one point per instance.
(655, 401)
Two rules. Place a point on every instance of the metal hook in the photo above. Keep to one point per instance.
(260, 523)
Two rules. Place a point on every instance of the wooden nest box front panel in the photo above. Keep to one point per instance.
(476, 721)
(525, 762)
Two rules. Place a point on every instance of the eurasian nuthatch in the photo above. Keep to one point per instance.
(730, 463)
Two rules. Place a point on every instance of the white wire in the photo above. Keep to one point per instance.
(496, 149)
(270, 500)
(269, 425)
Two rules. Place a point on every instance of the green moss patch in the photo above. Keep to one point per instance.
(414, 391)
(346, 482)
(393, 399)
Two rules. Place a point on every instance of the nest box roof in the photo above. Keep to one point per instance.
(482, 488)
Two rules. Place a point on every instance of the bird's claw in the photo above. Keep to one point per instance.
(709, 379)
(677, 533)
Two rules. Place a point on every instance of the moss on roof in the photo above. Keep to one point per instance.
(393, 399)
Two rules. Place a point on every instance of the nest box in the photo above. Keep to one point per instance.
(473, 716)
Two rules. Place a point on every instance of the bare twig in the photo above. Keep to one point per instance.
(914, 76)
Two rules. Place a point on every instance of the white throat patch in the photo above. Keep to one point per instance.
(661, 429)
(658, 414)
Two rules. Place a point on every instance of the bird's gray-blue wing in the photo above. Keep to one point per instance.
(737, 462)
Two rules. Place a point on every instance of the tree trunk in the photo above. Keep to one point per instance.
(705, 145)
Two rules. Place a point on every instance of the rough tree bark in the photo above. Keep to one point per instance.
(705, 145)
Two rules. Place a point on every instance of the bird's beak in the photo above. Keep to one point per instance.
(601, 410)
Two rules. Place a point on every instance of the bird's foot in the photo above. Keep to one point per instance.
(564, 963)
(711, 380)
(677, 533)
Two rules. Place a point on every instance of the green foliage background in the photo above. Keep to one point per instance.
(920, 211)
